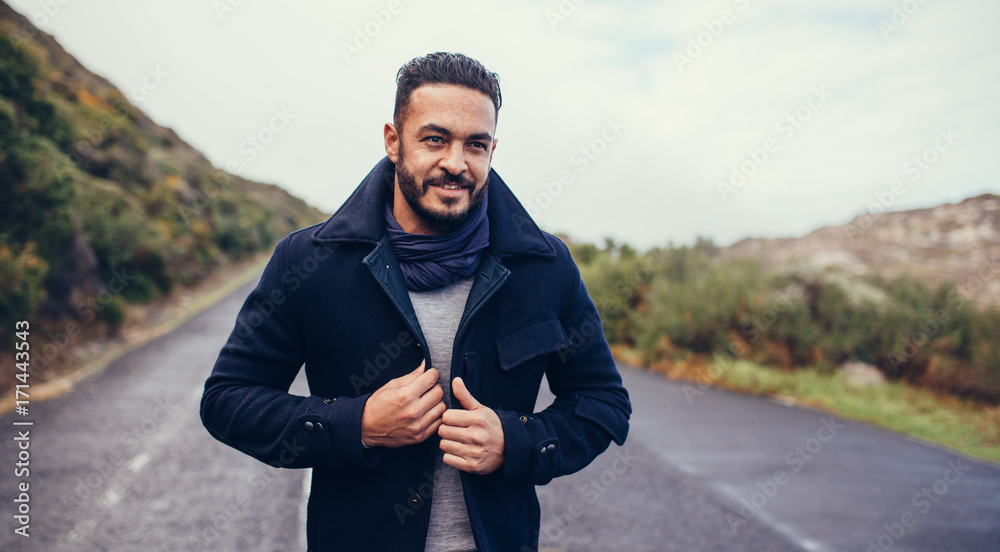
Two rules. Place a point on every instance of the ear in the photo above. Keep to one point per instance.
(391, 142)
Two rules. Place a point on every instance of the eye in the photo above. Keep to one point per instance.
(479, 145)
(434, 139)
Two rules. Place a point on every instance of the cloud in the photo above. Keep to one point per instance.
(564, 78)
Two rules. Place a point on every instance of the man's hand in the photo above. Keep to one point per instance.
(472, 439)
(405, 411)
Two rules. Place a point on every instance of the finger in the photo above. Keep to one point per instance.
(456, 448)
(465, 398)
(459, 463)
(458, 418)
(431, 404)
(466, 436)
(409, 378)
(430, 397)
(450, 433)
(426, 381)
(423, 400)
(432, 427)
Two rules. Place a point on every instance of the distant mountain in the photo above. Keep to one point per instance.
(957, 243)
(99, 205)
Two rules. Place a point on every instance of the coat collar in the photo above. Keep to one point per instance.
(360, 218)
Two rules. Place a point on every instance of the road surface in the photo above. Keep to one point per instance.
(123, 463)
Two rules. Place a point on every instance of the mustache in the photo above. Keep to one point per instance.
(458, 180)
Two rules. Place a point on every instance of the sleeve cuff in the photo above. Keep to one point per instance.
(345, 435)
(518, 449)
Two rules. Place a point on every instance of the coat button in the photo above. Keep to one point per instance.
(308, 426)
(319, 427)
(544, 451)
(328, 401)
(416, 500)
(524, 419)
(550, 448)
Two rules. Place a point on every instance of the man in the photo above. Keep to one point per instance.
(426, 311)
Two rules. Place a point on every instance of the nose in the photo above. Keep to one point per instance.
(454, 159)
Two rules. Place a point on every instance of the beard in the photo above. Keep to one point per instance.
(414, 192)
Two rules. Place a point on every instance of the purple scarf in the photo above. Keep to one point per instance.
(434, 261)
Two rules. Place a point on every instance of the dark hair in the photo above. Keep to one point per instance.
(443, 68)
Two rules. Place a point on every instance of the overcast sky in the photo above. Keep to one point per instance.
(645, 109)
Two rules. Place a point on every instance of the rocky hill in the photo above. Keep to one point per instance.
(102, 208)
(958, 243)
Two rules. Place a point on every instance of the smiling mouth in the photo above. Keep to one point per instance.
(451, 187)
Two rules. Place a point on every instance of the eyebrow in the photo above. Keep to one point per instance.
(431, 127)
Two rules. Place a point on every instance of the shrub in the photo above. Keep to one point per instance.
(678, 301)
(22, 275)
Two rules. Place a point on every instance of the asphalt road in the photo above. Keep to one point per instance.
(123, 463)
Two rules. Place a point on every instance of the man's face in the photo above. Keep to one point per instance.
(447, 138)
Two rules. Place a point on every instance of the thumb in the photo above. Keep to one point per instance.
(466, 399)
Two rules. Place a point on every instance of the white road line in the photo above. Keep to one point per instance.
(138, 462)
(120, 481)
(762, 516)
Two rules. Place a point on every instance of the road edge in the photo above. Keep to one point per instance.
(199, 301)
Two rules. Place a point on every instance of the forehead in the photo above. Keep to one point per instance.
(456, 108)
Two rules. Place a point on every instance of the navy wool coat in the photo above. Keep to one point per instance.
(332, 298)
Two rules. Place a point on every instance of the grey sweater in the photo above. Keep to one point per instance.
(439, 311)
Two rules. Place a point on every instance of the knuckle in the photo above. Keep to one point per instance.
(411, 413)
(398, 396)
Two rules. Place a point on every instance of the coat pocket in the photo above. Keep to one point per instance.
(529, 342)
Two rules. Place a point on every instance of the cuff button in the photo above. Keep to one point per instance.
(308, 426)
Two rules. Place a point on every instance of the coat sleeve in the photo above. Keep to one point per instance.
(591, 407)
(246, 403)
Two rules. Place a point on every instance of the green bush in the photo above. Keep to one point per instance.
(113, 314)
(22, 274)
(678, 301)
(703, 307)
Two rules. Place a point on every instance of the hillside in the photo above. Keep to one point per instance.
(958, 243)
(101, 207)
(913, 294)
